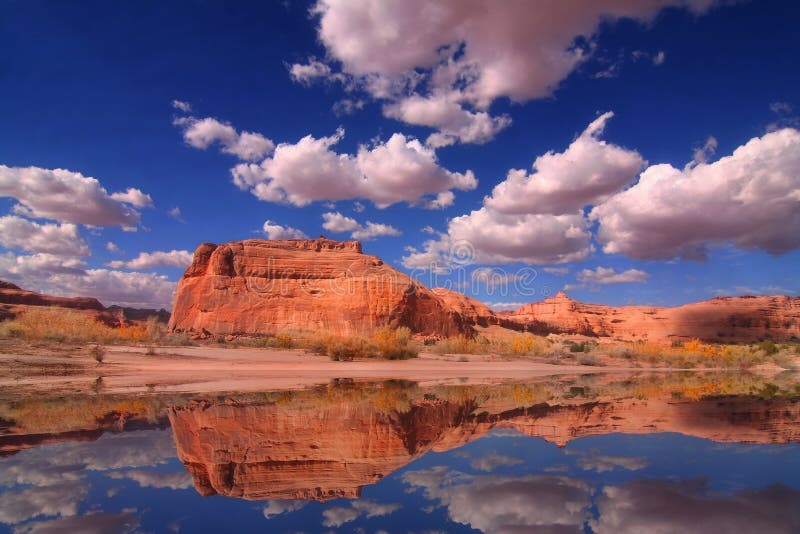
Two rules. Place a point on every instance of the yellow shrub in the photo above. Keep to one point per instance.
(284, 340)
(693, 345)
(393, 344)
(462, 345)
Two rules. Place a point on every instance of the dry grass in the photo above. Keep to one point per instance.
(678, 355)
(69, 326)
(463, 345)
(509, 344)
(58, 325)
(392, 344)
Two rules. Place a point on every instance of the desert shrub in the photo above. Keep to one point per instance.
(589, 359)
(693, 345)
(283, 340)
(154, 329)
(338, 348)
(578, 347)
(318, 344)
(131, 333)
(620, 351)
(394, 344)
(769, 347)
(648, 351)
(462, 345)
(523, 345)
(98, 352)
(347, 348)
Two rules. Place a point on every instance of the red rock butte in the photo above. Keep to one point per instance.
(258, 287)
(261, 287)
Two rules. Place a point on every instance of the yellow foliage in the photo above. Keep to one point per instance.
(284, 340)
(393, 344)
(51, 324)
(693, 345)
(524, 344)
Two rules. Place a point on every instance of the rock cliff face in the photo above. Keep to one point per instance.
(732, 319)
(472, 311)
(269, 451)
(259, 287)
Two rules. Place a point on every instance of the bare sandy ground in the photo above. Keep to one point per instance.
(213, 369)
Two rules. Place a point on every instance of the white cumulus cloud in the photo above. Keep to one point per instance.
(306, 73)
(276, 232)
(400, 170)
(134, 197)
(750, 199)
(202, 133)
(462, 55)
(607, 275)
(149, 260)
(338, 223)
(69, 197)
(444, 113)
(537, 218)
(587, 172)
(60, 239)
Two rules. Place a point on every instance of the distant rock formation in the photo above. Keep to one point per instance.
(15, 300)
(261, 287)
(270, 451)
(724, 319)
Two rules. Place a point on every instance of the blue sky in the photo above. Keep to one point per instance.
(432, 109)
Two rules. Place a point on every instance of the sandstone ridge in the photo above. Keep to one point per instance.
(15, 300)
(723, 319)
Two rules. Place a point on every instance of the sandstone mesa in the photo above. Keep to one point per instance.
(255, 287)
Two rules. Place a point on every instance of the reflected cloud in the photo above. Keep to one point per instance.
(492, 461)
(31, 502)
(666, 506)
(96, 524)
(499, 504)
(338, 515)
(155, 479)
(605, 463)
(278, 507)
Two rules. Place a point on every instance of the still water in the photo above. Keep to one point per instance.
(669, 453)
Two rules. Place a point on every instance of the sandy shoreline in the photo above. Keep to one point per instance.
(215, 369)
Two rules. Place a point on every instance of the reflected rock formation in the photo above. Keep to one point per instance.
(331, 449)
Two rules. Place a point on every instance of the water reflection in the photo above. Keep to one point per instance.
(666, 453)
